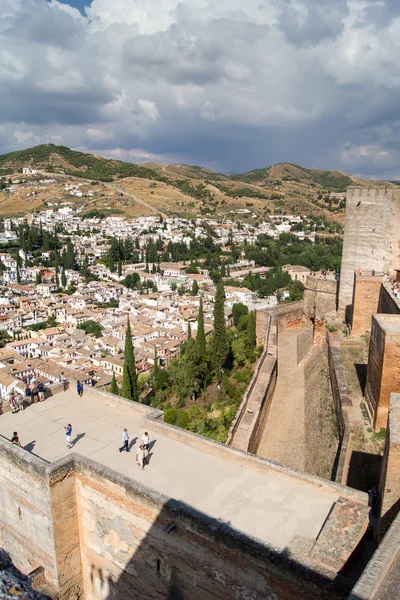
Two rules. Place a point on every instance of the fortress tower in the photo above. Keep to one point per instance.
(371, 238)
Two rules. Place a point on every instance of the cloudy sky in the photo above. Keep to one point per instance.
(229, 84)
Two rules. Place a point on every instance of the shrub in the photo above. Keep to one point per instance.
(170, 416)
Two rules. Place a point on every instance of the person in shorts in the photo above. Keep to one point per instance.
(20, 401)
(40, 388)
(68, 435)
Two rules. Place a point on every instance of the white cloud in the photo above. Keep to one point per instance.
(22, 136)
(230, 83)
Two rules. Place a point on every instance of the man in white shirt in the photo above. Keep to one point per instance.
(146, 441)
(125, 441)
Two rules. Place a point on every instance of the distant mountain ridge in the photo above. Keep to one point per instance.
(194, 190)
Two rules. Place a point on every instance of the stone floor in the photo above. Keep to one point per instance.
(283, 439)
(268, 505)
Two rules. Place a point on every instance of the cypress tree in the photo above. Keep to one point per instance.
(189, 331)
(114, 386)
(201, 336)
(129, 387)
(155, 370)
(119, 269)
(195, 288)
(251, 329)
(18, 268)
(220, 345)
(38, 277)
(63, 278)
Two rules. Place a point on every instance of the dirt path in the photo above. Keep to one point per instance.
(122, 190)
(283, 439)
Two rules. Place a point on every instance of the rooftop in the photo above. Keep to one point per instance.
(264, 500)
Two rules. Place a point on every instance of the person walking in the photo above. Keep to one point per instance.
(79, 388)
(15, 440)
(65, 384)
(40, 388)
(125, 441)
(140, 457)
(68, 434)
(146, 441)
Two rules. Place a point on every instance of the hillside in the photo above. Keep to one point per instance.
(172, 189)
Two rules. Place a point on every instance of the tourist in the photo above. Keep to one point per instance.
(20, 401)
(41, 391)
(28, 394)
(146, 441)
(79, 388)
(13, 404)
(373, 501)
(68, 434)
(125, 441)
(15, 440)
(141, 457)
(35, 393)
(65, 384)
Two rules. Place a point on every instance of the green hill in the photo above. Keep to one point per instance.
(80, 164)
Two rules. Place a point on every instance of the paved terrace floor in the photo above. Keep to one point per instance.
(270, 506)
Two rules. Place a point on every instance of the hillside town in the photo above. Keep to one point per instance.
(65, 297)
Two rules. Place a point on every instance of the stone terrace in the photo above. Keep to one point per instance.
(266, 501)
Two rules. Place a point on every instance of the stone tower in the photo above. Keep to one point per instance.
(371, 236)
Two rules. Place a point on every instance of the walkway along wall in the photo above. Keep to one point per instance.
(247, 426)
(342, 403)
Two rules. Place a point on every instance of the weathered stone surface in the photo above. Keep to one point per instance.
(383, 375)
(320, 297)
(371, 236)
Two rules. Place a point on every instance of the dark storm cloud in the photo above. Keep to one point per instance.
(230, 84)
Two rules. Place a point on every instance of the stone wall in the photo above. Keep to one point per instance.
(320, 297)
(383, 375)
(388, 304)
(320, 418)
(101, 535)
(365, 302)
(371, 236)
(390, 476)
(304, 343)
(247, 426)
(342, 403)
(287, 315)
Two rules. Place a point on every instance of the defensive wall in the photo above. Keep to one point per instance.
(372, 294)
(381, 577)
(100, 534)
(248, 424)
(371, 237)
(383, 376)
(342, 404)
(320, 297)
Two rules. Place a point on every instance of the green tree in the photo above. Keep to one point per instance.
(220, 345)
(156, 370)
(91, 327)
(239, 310)
(195, 288)
(63, 278)
(114, 386)
(189, 331)
(18, 268)
(251, 329)
(201, 336)
(119, 269)
(129, 387)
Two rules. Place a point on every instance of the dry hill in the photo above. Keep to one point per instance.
(171, 189)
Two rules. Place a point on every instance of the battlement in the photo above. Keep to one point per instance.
(96, 507)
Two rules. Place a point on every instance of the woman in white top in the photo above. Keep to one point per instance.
(146, 441)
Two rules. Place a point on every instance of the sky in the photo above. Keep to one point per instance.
(229, 85)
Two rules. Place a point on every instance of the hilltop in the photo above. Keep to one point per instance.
(181, 189)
